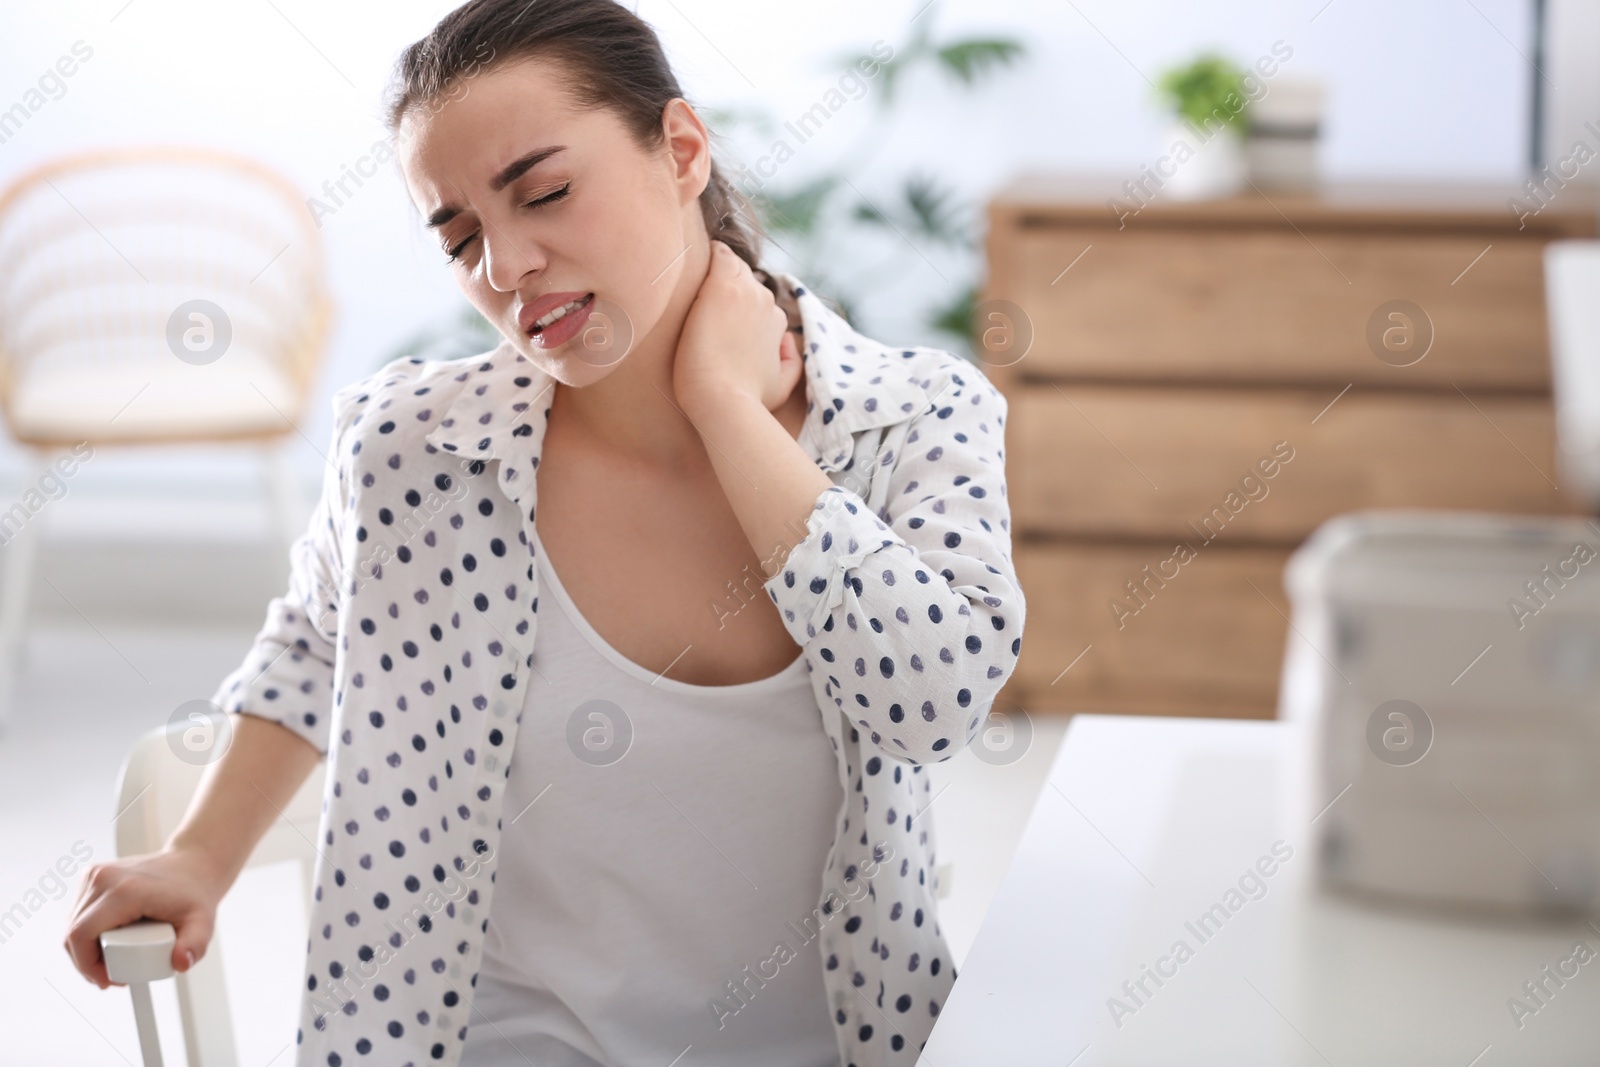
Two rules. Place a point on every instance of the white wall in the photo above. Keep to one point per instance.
(1428, 88)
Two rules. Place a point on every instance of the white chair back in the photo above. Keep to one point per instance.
(153, 792)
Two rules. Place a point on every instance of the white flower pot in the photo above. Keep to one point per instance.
(1212, 162)
(1285, 127)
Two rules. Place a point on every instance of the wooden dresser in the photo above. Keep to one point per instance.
(1204, 383)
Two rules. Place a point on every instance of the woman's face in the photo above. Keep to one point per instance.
(536, 205)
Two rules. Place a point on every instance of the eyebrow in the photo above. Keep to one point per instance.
(511, 173)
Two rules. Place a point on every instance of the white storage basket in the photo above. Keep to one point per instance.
(1446, 668)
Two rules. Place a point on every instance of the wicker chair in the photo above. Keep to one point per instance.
(151, 296)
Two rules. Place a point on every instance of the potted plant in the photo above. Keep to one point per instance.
(1206, 137)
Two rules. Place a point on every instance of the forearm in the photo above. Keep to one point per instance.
(243, 792)
(770, 482)
(911, 607)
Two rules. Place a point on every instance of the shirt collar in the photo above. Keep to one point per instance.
(853, 384)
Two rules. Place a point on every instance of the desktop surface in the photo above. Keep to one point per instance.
(1162, 909)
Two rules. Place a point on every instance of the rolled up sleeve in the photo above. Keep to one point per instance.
(915, 618)
(288, 674)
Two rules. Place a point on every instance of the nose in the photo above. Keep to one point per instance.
(507, 260)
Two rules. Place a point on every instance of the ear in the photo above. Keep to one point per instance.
(689, 146)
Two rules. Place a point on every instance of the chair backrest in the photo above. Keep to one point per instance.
(104, 256)
(153, 792)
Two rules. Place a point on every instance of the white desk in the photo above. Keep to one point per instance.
(1143, 825)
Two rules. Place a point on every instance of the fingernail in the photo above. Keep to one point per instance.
(188, 955)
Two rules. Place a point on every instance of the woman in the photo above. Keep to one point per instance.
(635, 825)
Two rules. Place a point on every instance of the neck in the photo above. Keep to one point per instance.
(633, 411)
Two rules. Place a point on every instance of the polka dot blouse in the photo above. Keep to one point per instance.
(403, 644)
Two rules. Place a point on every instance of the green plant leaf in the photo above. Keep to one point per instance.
(889, 76)
(1209, 89)
(932, 209)
(955, 317)
(970, 60)
(925, 208)
(908, 56)
(865, 212)
(797, 211)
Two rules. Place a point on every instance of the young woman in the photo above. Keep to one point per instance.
(633, 774)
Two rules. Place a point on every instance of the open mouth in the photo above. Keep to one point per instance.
(558, 314)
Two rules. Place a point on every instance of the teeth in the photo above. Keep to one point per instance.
(559, 313)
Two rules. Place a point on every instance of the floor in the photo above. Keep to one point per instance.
(122, 632)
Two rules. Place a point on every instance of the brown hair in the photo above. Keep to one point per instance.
(617, 63)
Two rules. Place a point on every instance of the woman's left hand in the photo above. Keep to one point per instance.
(735, 341)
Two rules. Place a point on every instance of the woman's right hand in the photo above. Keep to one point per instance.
(176, 885)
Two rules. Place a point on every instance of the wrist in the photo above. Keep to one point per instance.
(709, 407)
(208, 867)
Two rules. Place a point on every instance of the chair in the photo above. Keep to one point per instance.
(153, 792)
(151, 296)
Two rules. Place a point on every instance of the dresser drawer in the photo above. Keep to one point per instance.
(1209, 641)
(1273, 305)
(1266, 465)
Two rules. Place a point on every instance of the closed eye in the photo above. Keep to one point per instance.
(559, 194)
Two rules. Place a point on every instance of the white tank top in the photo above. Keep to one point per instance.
(661, 857)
